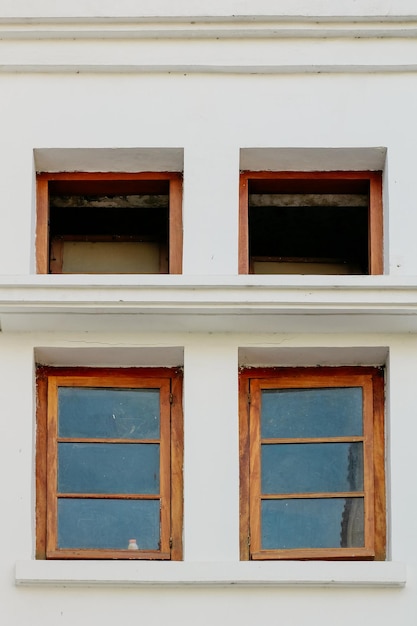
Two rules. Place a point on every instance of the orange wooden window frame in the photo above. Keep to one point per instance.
(169, 381)
(44, 179)
(251, 381)
(375, 218)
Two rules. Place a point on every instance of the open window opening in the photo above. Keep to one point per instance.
(109, 223)
(310, 223)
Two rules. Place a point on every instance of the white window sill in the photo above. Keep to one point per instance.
(290, 573)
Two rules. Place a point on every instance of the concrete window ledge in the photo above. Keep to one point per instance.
(290, 573)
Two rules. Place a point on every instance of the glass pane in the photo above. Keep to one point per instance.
(326, 412)
(108, 468)
(108, 524)
(312, 523)
(311, 467)
(108, 413)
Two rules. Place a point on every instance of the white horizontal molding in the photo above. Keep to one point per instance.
(216, 27)
(205, 304)
(205, 294)
(27, 10)
(27, 68)
(128, 573)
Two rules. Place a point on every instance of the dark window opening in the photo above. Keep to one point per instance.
(316, 224)
(106, 225)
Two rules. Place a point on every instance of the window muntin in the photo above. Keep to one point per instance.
(109, 447)
(312, 468)
(109, 223)
(310, 223)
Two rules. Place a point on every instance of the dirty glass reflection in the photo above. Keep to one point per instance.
(312, 523)
(108, 524)
(108, 413)
(325, 412)
(312, 467)
(108, 468)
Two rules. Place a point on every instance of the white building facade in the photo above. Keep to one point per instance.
(312, 90)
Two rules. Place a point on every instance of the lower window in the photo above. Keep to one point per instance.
(312, 463)
(109, 463)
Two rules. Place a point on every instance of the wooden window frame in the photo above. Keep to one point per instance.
(375, 217)
(370, 379)
(175, 235)
(171, 441)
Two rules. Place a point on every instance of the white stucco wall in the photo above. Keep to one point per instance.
(88, 83)
(211, 118)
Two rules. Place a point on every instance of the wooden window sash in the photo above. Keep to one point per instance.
(375, 213)
(169, 383)
(250, 466)
(175, 230)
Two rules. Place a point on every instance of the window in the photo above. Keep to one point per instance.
(312, 463)
(310, 223)
(109, 223)
(109, 463)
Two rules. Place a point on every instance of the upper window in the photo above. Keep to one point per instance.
(310, 223)
(109, 464)
(109, 223)
(312, 463)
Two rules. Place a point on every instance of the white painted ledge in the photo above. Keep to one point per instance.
(209, 304)
(28, 10)
(290, 573)
(206, 36)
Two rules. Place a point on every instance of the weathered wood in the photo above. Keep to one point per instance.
(379, 466)
(375, 226)
(175, 243)
(317, 554)
(137, 555)
(244, 474)
(177, 462)
(255, 523)
(41, 464)
(243, 261)
(371, 381)
(42, 226)
(168, 381)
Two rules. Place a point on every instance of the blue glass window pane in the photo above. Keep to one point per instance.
(108, 413)
(108, 468)
(329, 412)
(108, 524)
(311, 467)
(312, 523)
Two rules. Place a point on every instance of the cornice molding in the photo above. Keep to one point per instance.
(302, 304)
(28, 10)
(209, 27)
(249, 44)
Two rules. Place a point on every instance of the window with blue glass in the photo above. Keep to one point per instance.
(312, 463)
(110, 449)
